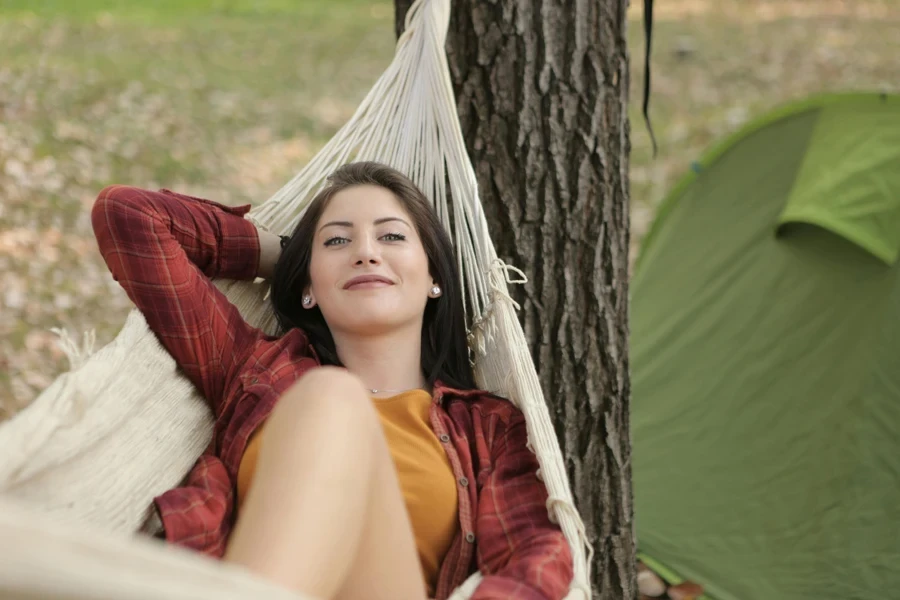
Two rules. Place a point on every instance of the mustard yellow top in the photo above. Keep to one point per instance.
(425, 475)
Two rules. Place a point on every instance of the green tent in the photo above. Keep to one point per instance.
(765, 352)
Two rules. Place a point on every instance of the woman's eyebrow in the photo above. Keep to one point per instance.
(350, 224)
(336, 224)
(389, 219)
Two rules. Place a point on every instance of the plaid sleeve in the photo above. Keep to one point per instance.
(520, 552)
(163, 248)
(199, 514)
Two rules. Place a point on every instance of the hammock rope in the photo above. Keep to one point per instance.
(123, 426)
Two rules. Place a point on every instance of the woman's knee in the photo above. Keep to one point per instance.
(336, 387)
(331, 395)
(329, 380)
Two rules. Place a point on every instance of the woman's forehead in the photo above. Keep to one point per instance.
(363, 204)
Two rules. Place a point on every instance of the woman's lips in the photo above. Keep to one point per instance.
(367, 282)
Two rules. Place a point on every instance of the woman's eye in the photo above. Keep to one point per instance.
(334, 241)
(393, 237)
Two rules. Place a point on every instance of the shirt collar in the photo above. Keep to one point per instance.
(441, 391)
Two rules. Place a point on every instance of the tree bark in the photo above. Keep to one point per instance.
(542, 89)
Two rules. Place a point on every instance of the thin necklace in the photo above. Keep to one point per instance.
(374, 391)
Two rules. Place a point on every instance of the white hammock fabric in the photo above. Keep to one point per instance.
(123, 426)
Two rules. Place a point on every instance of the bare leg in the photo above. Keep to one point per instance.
(325, 515)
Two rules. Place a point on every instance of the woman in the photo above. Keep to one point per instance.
(353, 456)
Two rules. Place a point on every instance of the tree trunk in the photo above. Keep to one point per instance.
(542, 88)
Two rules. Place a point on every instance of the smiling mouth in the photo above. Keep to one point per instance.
(367, 283)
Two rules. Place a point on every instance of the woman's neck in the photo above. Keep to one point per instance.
(390, 363)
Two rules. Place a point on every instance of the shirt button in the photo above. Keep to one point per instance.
(463, 482)
(445, 438)
(470, 537)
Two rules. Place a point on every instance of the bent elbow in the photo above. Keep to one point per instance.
(101, 210)
(111, 207)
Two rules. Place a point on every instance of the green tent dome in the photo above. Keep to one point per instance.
(765, 348)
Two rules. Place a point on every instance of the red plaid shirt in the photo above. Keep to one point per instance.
(163, 248)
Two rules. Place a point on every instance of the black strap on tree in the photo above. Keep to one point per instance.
(648, 37)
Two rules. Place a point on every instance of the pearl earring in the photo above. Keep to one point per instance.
(436, 291)
(307, 301)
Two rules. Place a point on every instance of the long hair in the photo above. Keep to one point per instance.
(445, 353)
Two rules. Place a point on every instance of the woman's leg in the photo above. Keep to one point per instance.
(325, 515)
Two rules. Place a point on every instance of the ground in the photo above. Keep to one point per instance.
(227, 99)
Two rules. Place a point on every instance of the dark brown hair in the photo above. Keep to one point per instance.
(445, 353)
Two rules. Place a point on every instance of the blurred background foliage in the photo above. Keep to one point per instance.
(227, 99)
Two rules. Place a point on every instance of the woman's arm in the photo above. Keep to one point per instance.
(163, 248)
(269, 253)
(520, 552)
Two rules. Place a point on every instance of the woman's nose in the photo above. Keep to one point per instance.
(367, 252)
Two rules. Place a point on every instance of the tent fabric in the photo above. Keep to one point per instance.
(851, 165)
(766, 402)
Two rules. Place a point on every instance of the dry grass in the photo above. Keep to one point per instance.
(229, 98)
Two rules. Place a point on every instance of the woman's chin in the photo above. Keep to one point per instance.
(375, 321)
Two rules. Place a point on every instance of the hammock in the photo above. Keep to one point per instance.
(83, 462)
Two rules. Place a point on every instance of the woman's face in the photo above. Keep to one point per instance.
(368, 270)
